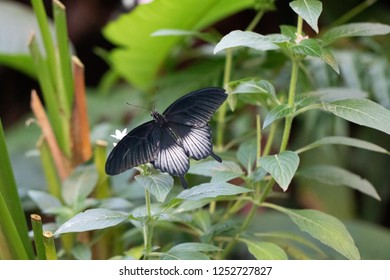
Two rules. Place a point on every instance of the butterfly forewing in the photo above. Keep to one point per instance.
(196, 108)
(139, 146)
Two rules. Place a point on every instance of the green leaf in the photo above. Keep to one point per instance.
(347, 141)
(45, 201)
(17, 22)
(309, 10)
(92, 219)
(82, 252)
(250, 39)
(323, 227)
(219, 171)
(189, 251)
(288, 30)
(361, 111)
(159, 185)
(207, 37)
(355, 29)
(312, 47)
(335, 93)
(79, 185)
(282, 167)
(211, 190)
(333, 175)
(277, 113)
(246, 153)
(140, 56)
(265, 250)
(15, 243)
(380, 85)
(253, 87)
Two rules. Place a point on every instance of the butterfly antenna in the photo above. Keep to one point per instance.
(137, 106)
(155, 98)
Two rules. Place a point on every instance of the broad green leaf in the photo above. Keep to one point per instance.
(265, 250)
(286, 238)
(208, 190)
(333, 175)
(252, 87)
(79, 185)
(82, 252)
(189, 251)
(17, 23)
(246, 153)
(277, 113)
(334, 94)
(179, 32)
(378, 73)
(355, 29)
(309, 10)
(219, 171)
(92, 219)
(45, 201)
(282, 167)
(159, 185)
(361, 111)
(250, 39)
(289, 31)
(140, 56)
(347, 141)
(184, 255)
(312, 47)
(326, 228)
(195, 246)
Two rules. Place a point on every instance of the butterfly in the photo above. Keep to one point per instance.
(169, 140)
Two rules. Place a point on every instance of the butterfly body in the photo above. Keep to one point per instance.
(171, 138)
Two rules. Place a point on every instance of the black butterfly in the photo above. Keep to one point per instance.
(170, 139)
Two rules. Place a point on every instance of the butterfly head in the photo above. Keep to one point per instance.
(158, 117)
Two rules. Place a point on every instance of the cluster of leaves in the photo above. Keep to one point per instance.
(156, 218)
(257, 173)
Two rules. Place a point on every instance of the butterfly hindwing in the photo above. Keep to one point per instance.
(196, 142)
(139, 146)
(171, 157)
(196, 108)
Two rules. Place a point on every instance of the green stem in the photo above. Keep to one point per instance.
(270, 139)
(43, 23)
(148, 227)
(49, 169)
(102, 189)
(352, 13)
(36, 223)
(222, 110)
(64, 56)
(48, 240)
(255, 20)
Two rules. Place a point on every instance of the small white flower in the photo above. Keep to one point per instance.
(300, 38)
(119, 135)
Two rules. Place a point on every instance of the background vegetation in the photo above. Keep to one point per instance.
(320, 104)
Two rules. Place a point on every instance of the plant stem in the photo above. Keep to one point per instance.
(223, 108)
(148, 227)
(352, 13)
(36, 223)
(50, 248)
(255, 20)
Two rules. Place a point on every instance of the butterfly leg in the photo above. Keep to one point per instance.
(183, 181)
(217, 158)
